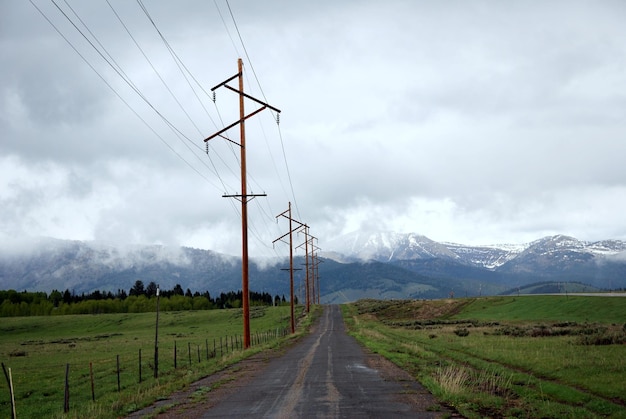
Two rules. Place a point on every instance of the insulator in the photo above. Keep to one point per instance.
(277, 119)
(213, 96)
(206, 148)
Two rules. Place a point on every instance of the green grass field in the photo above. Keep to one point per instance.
(534, 356)
(37, 350)
(547, 308)
(529, 356)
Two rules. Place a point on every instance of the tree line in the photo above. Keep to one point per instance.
(139, 299)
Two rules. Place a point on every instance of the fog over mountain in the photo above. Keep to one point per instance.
(361, 264)
(469, 121)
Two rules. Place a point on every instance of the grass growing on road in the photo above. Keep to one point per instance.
(506, 356)
(37, 350)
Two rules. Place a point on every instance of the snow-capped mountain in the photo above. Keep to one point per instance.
(357, 265)
(488, 256)
(390, 247)
(441, 268)
(386, 247)
(564, 255)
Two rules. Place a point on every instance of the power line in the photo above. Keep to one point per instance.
(98, 46)
(119, 96)
(263, 94)
(181, 136)
(244, 48)
(293, 194)
(232, 41)
(180, 63)
(182, 108)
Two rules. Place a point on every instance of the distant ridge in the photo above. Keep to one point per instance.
(357, 265)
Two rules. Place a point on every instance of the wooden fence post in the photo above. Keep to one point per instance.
(118, 374)
(9, 378)
(12, 395)
(93, 392)
(66, 398)
(139, 365)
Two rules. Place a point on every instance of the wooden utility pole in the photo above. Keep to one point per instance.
(313, 277)
(316, 273)
(245, 291)
(306, 263)
(243, 197)
(291, 230)
(156, 337)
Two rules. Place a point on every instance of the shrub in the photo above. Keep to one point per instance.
(461, 331)
(603, 338)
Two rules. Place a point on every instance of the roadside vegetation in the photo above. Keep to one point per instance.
(530, 356)
(39, 348)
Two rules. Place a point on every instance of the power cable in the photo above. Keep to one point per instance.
(119, 73)
(123, 75)
(108, 58)
(117, 93)
(226, 27)
(178, 63)
(263, 94)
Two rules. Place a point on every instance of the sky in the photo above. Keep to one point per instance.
(474, 122)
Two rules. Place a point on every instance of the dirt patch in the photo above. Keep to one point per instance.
(411, 309)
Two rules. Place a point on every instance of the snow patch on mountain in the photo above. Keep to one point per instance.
(487, 256)
(390, 246)
(384, 247)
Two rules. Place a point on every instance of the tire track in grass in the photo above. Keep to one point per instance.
(466, 357)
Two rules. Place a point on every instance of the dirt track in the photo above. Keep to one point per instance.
(326, 374)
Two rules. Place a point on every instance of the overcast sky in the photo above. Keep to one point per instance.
(476, 122)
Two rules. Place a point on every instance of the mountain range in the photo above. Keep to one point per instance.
(449, 268)
(357, 265)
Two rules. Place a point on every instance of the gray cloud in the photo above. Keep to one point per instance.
(472, 122)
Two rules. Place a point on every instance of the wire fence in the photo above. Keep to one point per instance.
(85, 382)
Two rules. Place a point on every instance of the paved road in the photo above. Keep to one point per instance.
(325, 375)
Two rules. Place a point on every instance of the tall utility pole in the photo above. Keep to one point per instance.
(306, 262)
(313, 278)
(290, 234)
(313, 275)
(316, 275)
(243, 197)
(156, 337)
(305, 229)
